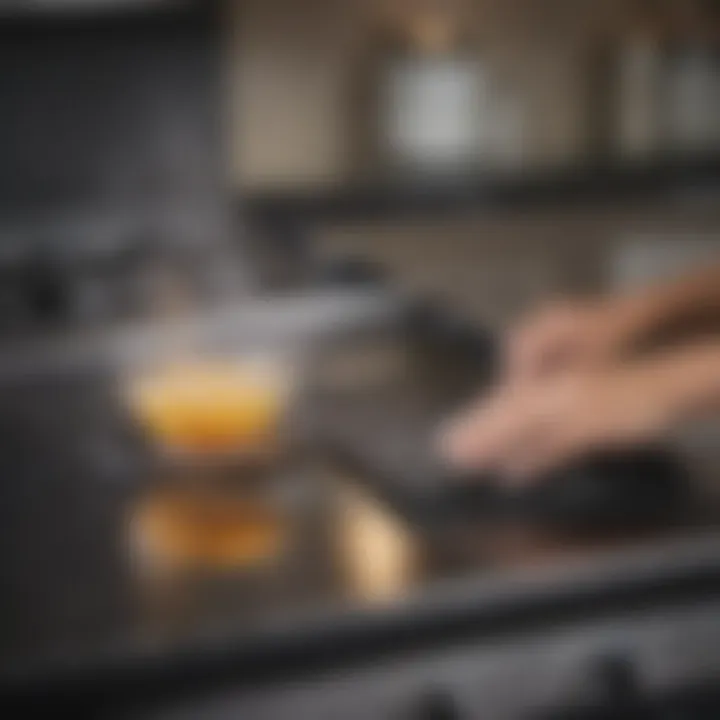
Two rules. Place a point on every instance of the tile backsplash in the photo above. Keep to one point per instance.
(646, 258)
(494, 265)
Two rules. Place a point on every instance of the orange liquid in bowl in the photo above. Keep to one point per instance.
(210, 407)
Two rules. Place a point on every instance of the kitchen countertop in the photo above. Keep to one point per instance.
(72, 587)
(78, 601)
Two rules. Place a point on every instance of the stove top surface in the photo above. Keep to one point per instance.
(78, 473)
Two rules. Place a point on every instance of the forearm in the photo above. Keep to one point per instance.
(680, 308)
(688, 379)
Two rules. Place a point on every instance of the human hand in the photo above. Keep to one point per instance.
(529, 428)
(565, 335)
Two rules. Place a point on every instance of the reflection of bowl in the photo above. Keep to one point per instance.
(211, 406)
(196, 527)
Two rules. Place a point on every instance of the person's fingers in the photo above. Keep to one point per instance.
(585, 414)
(463, 440)
(523, 347)
(516, 465)
(481, 438)
(548, 451)
(527, 429)
(542, 346)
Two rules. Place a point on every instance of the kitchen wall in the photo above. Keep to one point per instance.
(297, 72)
(289, 66)
(494, 265)
(297, 68)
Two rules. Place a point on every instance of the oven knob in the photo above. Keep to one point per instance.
(435, 704)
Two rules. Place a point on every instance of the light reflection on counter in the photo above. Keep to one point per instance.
(177, 527)
(378, 554)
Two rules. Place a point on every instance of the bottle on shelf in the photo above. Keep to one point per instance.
(441, 113)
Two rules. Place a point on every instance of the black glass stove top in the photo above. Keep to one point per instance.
(76, 471)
